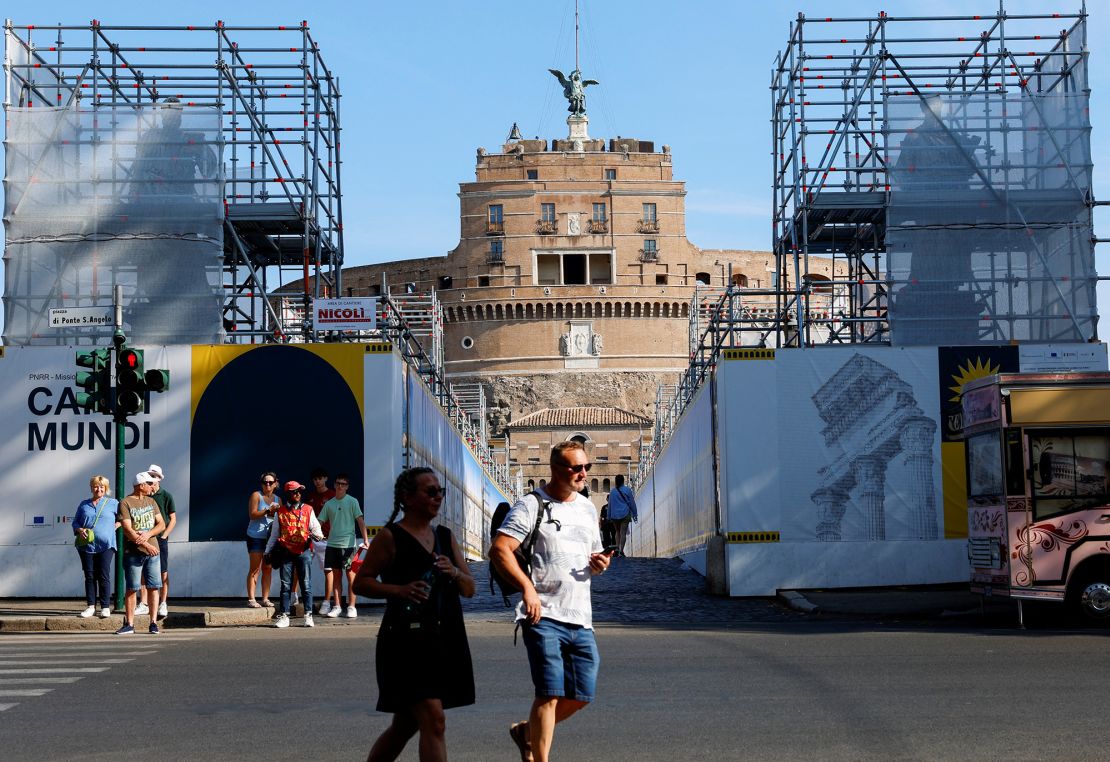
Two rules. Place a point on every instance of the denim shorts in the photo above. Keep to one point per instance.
(142, 570)
(256, 544)
(563, 659)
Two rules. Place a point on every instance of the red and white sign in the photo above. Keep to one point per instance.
(352, 314)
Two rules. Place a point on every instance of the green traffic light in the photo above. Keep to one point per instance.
(95, 383)
(157, 380)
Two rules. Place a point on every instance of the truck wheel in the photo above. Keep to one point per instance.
(1092, 596)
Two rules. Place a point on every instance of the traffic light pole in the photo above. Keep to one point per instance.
(118, 339)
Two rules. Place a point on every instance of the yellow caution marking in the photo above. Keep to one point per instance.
(748, 354)
(372, 531)
(747, 537)
(383, 347)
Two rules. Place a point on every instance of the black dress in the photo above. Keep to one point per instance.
(422, 650)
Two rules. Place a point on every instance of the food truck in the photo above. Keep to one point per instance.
(1038, 484)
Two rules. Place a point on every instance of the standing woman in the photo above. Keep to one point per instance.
(423, 659)
(94, 535)
(261, 509)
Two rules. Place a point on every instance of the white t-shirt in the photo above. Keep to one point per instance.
(561, 557)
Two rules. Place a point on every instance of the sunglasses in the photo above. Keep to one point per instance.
(268, 482)
(341, 484)
(435, 491)
(580, 467)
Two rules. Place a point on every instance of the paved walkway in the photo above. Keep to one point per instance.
(634, 591)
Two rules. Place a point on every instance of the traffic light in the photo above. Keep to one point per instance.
(157, 380)
(130, 381)
(96, 382)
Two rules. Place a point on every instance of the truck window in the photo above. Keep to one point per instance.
(1071, 470)
(984, 466)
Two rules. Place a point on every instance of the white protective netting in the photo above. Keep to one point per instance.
(989, 229)
(112, 195)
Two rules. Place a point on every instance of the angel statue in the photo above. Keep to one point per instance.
(574, 90)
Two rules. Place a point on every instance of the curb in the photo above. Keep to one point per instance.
(797, 601)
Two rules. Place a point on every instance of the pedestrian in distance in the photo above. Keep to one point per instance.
(289, 550)
(316, 496)
(344, 514)
(94, 536)
(555, 613)
(422, 656)
(168, 509)
(622, 510)
(261, 509)
(141, 522)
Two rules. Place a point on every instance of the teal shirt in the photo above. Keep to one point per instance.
(342, 515)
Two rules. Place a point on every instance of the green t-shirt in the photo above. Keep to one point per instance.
(342, 514)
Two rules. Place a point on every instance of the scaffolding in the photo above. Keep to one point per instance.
(260, 121)
(945, 163)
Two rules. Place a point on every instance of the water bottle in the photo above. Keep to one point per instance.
(411, 608)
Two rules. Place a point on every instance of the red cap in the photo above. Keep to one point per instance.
(294, 486)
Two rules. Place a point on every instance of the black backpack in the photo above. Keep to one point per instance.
(523, 553)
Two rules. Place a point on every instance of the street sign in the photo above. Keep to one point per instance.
(349, 314)
(81, 317)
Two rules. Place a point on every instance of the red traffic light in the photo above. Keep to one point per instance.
(130, 359)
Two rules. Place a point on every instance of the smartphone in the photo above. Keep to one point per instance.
(610, 549)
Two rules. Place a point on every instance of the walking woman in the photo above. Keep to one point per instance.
(261, 509)
(94, 535)
(423, 658)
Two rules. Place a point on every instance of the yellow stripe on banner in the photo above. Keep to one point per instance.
(379, 348)
(748, 354)
(734, 537)
(372, 531)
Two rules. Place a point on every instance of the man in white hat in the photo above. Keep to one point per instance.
(141, 523)
(169, 515)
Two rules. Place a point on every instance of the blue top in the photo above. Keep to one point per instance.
(105, 526)
(260, 528)
(621, 503)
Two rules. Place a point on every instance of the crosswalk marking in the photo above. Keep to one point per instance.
(33, 665)
(38, 680)
(13, 662)
(48, 670)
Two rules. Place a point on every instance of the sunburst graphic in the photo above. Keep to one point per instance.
(974, 369)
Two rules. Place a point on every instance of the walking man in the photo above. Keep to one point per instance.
(141, 522)
(345, 515)
(168, 509)
(622, 509)
(555, 613)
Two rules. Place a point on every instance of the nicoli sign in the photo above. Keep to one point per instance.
(344, 314)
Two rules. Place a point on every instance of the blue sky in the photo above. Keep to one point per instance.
(425, 84)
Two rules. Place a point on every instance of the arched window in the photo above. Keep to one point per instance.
(740, 280)
(528, 312)
(819, 283)
(531, 484)
(559, 310)
(499, 312)
(593, 485)
(702, 278)
(580, 437)
(606, 485)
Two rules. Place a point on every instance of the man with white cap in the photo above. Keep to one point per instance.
(169, 515)
(141, 523)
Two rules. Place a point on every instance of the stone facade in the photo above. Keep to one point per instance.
(573, 278)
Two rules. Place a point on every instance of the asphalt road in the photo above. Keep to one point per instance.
(764, 690)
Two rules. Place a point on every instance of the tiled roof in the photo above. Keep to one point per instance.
(579, 418)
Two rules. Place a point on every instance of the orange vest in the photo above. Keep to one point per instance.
(294, 532)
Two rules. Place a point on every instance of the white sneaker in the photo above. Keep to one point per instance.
(105, 612)
(142, 609)
(308, 620)
(352, 612)
(87, 612)
(282, 621)
(162, 610)
(325, 607)
(334, 612)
